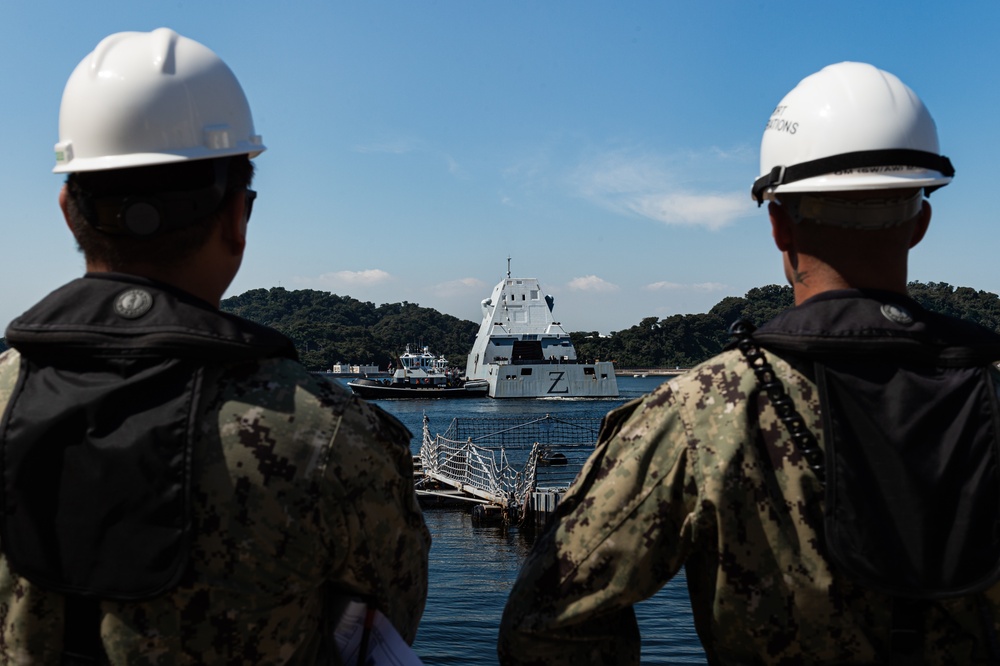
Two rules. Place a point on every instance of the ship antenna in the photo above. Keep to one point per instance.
(508, 266)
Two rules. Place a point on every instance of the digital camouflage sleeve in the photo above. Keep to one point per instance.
(701, 474)
(302, 493)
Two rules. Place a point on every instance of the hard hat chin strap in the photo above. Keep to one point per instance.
(869, 214)
(864, 159)
(148, 215)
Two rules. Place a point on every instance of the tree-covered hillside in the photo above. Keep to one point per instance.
(327, 328)
(981, 307)
(682, 340)
(685, 340)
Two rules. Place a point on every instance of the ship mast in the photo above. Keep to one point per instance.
(508, 266)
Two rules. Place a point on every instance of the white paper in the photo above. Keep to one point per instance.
(385, 646)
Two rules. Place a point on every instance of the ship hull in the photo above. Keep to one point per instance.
(375, 391)
(591, 380)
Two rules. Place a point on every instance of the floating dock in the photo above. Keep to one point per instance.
(511, 469)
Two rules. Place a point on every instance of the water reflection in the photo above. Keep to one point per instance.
(472, 568)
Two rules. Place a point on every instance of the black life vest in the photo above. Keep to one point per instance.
(96, 441)
(911, 430)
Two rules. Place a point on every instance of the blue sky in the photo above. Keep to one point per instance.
(607, 147)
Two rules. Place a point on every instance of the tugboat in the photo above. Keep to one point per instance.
(522, 352)
(420, 375)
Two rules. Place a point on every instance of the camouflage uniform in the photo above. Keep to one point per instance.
(301, 492)
(702, 474)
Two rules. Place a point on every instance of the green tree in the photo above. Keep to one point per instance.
(327, 328)
(981, 307)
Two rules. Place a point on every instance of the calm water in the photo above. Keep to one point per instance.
(472, 568)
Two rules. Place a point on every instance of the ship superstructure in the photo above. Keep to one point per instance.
(523, 352)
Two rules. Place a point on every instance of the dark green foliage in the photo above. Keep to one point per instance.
(981, 307)
(762, 304)
(683, 340)
(327, 328)
(3, 344)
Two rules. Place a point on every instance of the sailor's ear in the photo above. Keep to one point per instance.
(64, 207)
(233, 225)
(923, 222)
(781, 226)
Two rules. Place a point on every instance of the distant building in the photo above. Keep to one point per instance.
(345, 369)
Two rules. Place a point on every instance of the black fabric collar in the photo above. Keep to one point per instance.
(111, 313)
(872, 322)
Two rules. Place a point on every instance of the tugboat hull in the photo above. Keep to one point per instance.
(373, 390)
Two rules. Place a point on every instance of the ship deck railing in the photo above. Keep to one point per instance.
(542, 361)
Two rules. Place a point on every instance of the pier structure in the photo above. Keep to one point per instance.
(650, 372)
(513, 469)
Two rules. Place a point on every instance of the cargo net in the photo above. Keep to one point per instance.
(503, 460)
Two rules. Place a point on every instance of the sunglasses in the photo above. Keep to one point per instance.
(250, 196)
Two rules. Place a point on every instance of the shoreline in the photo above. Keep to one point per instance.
(653, 372)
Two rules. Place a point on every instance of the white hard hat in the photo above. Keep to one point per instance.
(144, 98)
(850, 126)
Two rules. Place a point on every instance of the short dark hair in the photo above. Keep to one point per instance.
(118, 251)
